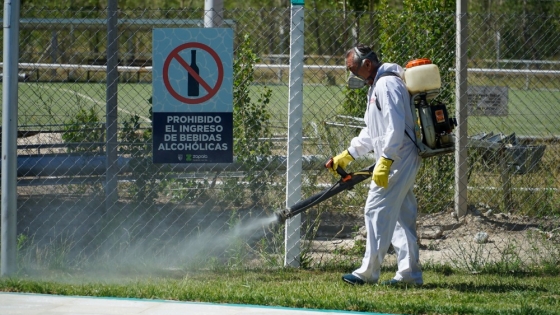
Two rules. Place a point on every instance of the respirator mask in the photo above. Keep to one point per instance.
(354, 82)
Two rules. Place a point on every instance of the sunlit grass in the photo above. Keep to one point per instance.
(442, 293)
(530, 112)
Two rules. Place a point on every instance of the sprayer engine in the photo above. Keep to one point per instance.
(434, 123)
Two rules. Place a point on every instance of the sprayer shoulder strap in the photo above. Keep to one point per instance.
(384, 74)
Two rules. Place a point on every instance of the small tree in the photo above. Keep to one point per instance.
(251, 124)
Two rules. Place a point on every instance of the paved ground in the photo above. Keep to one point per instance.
(42, 304)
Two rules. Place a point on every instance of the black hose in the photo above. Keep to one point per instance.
(341, 185)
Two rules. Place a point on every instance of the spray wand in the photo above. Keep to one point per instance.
(347, 181)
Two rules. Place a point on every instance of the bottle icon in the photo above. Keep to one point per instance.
(193, 88)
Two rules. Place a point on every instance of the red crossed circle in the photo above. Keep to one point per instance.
(174, 55)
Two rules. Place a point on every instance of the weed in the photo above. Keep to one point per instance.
(23, 246)
(236, 253)
(186, 190)
(470, 256)
(433, 245)
(22, 242)
(270, 249)
(444, 269)
(508, 261)
(232, 192)
(359, 247)
(544, 254)
(53, 256)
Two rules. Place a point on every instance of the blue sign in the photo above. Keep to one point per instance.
(192, 77)
(193, 138)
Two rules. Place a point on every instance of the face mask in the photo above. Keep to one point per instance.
(355, 82)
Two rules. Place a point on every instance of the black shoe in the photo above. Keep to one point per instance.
(353, 280)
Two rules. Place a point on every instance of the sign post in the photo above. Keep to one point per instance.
(193, 95)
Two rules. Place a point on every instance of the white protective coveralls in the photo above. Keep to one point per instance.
(390, 213)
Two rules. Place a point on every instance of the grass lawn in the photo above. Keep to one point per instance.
(444, 291)
(55, 103)
(531, 112)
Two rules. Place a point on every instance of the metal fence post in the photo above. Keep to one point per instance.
(461, 154)
(112, 169)
(9, 137)
(213, 13)
(295, 136)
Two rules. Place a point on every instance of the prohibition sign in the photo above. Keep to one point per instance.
(174, 55)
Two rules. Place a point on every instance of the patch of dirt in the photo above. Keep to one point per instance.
(43, 139)
(485, 236)
(479, 237)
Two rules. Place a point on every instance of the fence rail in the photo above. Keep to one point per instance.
(142, 69)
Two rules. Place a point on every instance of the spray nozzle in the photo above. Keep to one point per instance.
(282, 215)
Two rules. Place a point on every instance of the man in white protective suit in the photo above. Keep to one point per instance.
(390, 211)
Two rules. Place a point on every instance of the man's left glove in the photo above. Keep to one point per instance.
(381, 172)
(341, 160)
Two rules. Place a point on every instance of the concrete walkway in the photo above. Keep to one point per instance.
(43, 304)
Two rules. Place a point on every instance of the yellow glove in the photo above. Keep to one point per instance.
(342, 160)
(381, 172)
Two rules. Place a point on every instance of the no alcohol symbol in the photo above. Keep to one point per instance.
(194, 79)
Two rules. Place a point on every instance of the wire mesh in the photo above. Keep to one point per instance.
(201, 215)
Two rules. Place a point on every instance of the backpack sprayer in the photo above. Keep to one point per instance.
(433, 129)
(433, 126)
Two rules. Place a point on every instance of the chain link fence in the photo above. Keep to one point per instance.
(214, 215)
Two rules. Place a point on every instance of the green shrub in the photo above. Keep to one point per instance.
(251, 124)
(83, 127)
